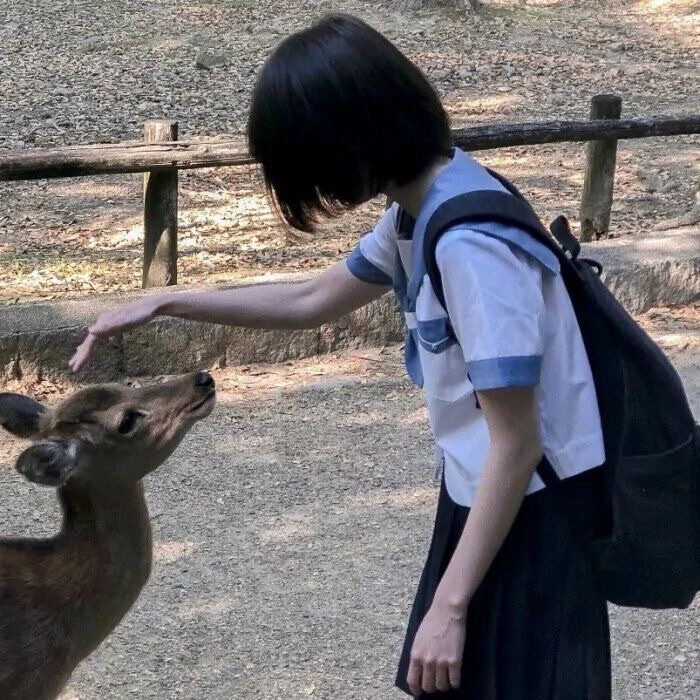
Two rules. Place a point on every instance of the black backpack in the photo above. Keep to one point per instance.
(651, 557)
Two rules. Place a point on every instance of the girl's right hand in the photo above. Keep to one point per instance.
(113, 323)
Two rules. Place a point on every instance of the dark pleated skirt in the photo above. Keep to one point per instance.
(537, 628)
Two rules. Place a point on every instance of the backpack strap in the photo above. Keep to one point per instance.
(509, 208)
(559, 228)
(491, 205)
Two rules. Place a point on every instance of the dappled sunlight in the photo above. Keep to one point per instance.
(302, 524)
(170, 551)
(524, 4)
(105, 187)
(417, 417)
(420, 498)
(70, 695)
(657, 247)
(288, 527)
(678, 20)
(236, 212)
(371, 418)
(315, 376)
(672, 159)
(192, 609)
(525, 61)
(492, 105)
(689, 6)
(63, 278)
(197, 13)
(11, 448)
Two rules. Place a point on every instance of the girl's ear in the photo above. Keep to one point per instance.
(47, 463)
(20, 414)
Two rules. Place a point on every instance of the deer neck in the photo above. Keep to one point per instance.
(106, 546)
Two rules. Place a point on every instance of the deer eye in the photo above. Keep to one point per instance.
(127, 422)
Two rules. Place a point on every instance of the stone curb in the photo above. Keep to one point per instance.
(37, 339)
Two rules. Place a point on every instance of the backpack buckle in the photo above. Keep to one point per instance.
(562, 232)
(594, 264)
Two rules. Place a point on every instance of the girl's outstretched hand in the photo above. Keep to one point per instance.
(112, 323)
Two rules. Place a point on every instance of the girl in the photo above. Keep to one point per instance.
(506, 607)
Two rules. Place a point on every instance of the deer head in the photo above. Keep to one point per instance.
(107, 433)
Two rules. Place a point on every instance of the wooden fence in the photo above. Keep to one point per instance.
(161, 155)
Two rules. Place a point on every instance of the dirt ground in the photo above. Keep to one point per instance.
(95, 72)
(290, 529)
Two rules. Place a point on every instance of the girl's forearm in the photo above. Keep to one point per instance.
(499, 497)
(282, 306)
(309, 304)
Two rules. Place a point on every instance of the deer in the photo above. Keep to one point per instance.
(61, 597)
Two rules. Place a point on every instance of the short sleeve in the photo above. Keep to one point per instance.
(493, 293)
(374, 257)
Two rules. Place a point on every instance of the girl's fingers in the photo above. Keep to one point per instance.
(106, 325)
(82, 353)
(413, 679)
(77, 361)
(455, 674)
(442, 679)
(428, 683)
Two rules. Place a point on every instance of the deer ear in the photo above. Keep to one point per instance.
(20, 414)
(48, 463)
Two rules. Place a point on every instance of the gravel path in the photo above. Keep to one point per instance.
(290, 529)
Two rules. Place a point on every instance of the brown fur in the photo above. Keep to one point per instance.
(60, 597)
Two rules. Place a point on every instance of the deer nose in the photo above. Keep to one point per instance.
(204, 380)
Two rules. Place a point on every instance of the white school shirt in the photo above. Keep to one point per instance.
(515, 325)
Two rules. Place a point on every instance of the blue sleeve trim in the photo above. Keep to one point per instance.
(502, 372)
(365, 270)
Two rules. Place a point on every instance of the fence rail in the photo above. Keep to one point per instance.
(160, 158)
(138, 157)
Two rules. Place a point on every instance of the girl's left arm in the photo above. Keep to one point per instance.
(516, 450)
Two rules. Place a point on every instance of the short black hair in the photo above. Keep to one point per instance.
(339, 114)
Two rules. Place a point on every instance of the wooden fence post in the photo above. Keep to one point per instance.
(160, 214)
(597, 197)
